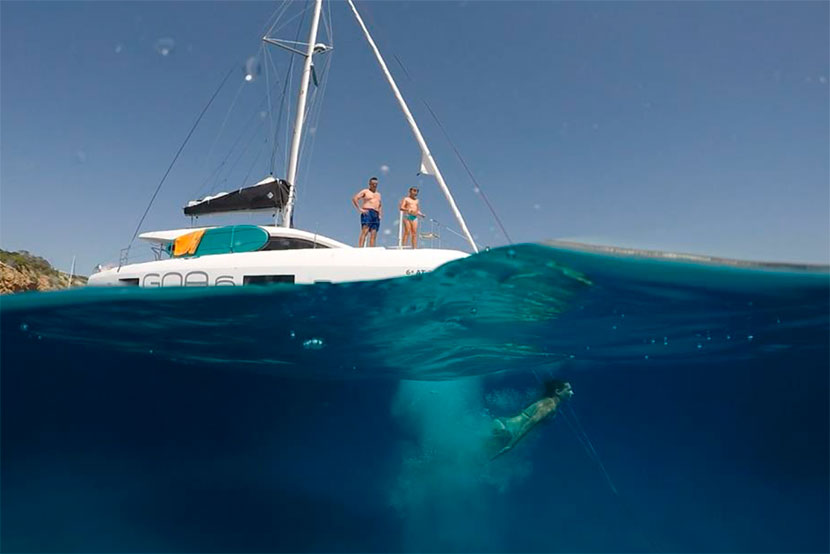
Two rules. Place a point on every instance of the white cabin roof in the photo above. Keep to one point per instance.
(165, 237)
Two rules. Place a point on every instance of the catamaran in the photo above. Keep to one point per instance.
(261, 254)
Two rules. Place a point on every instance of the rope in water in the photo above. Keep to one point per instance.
(586, 443)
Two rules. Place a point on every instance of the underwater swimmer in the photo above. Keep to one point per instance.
(509, 431)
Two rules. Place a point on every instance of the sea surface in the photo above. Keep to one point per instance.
(352, 418)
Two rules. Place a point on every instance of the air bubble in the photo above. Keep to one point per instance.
(473, 310)
(292, 334)
(699, 346)
(313, 344)
(613, 327)
(252, 69)
(165, 46)
(24, 326)
(750, 337)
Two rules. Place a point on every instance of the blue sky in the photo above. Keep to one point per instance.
(693, 126)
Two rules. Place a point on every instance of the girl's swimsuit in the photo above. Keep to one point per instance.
(411, 217)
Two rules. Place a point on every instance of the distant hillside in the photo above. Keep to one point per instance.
(22, 271)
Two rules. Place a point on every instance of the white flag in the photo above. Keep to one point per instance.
(426, 165)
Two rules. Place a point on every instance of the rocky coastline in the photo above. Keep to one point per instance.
(22, 271)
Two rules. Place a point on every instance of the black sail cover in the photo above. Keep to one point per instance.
(268, 194)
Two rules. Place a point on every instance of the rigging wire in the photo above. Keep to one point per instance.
(307, 144)
(461, 159)
(276, 142)
(256, 159)
(218, 168)
(275, 17)
(224, 123)
(274, 27)
(478, 189)
(242, 152)
(176, 157)
(270, 107)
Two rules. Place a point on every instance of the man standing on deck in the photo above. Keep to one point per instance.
(370, 212)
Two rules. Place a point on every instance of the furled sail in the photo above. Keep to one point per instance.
(270, 194)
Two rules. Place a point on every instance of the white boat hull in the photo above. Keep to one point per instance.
(330, 265)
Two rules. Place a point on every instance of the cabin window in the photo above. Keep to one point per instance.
(267, 279)
(291, 243)
(129, 282)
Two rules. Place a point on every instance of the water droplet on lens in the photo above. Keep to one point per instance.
(165, 46)
(699, 346)
(39, 337)
(293, 334)
(572, 356)
(313, 344)
(587, 348)
(24, 326)
(653, 341)
(150, 351)
(614, 327)
(646, 356)
(252, 69)
(778, 320)
(749, 337)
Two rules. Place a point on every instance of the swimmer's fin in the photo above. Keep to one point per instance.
(501, 436)
(502, 451)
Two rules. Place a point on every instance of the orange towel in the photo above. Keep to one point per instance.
(187, 244)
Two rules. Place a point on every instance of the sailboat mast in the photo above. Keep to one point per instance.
(299, 120)
(428, 163)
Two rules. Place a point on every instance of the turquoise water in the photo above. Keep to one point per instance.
(352, 417)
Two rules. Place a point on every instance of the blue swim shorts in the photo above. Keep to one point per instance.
(370, 219)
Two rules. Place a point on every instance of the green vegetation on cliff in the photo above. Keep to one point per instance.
(22, 271)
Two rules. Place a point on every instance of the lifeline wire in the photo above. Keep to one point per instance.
(176, 157)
